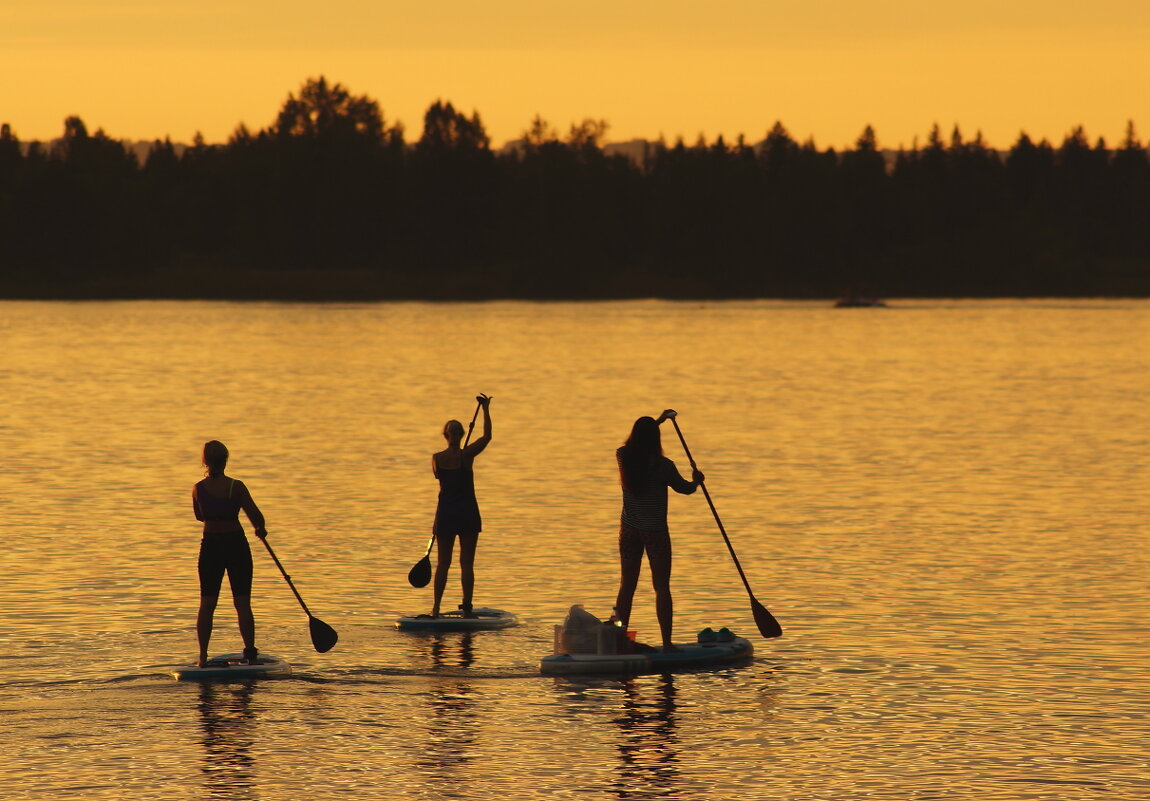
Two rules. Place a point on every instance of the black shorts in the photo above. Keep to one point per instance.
(634, 541)
(220, 553)
(460, 519)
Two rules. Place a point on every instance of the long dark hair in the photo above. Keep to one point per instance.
(638, 454)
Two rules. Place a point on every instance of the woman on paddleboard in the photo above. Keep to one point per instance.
(217, 501)
(457, 514)
(645, 474)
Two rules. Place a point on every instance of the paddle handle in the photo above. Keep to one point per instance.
(298, 597)
(471, 425)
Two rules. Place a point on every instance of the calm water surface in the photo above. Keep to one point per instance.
(944, 504)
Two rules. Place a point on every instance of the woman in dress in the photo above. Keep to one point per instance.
(645, 474)
(217, 501)
(457, 514)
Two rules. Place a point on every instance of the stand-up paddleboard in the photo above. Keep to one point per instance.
(690, 656)
(234, 666)
(484, 619)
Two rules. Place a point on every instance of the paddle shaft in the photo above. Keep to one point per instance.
(768, 626)
(467, 439)
(298, 597)
(714, 511)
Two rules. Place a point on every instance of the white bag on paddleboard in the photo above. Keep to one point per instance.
(583, 633)
(579, 633)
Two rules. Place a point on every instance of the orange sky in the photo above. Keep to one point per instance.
(143, 69)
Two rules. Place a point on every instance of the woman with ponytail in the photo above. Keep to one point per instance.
(457, 511)
(217, 501)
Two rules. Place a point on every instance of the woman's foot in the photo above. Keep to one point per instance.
(252, 655)
(670, 648)
(202, 661)
(466, 610)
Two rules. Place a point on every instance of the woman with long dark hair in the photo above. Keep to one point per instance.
(217, 501)
(457, 513)
(645, 474)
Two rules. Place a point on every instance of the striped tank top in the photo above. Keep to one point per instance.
(647, 509)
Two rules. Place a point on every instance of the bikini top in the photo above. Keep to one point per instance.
(213, 507)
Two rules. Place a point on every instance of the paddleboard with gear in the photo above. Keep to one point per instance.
(482, 619)
(712, 650)
(234, 666)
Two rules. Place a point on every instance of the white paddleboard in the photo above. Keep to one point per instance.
(485, 619)
(234, 666)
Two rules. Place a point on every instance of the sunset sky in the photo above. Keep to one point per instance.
(145, 69)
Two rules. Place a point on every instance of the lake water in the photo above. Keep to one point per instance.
(945, 504)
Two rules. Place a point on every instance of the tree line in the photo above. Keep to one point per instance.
(330, 201)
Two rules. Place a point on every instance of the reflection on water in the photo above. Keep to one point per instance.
(228, 723)
(945, 505)
(452, 717)
(452, 650)
(639, 720)
(648, 746)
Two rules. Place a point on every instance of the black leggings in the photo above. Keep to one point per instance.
(220, 553)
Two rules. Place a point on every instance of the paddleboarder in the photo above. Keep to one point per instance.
(217, 501)
(457, 513)
(645, 473)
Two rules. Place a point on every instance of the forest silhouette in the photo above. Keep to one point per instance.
(331, 202)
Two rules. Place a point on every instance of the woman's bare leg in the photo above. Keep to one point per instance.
(659, 558)
(204, 625)
(444, 547)
(629, 566)
(467, 545)
(247, 620)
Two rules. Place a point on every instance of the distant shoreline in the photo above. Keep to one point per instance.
(331, 204)
(349, 286)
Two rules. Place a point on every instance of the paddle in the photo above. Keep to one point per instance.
(323, 636)
(768, 626)
(420, 573)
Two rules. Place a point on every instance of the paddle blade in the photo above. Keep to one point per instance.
(420, 573)
(323, 636)
(768, 626)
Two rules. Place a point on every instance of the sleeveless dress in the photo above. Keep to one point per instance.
(457, 512)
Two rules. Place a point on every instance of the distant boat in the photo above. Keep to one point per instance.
(858, 302)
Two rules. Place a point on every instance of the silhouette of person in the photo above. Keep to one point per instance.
(217, 501)
(457, 513)
(645, 473)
